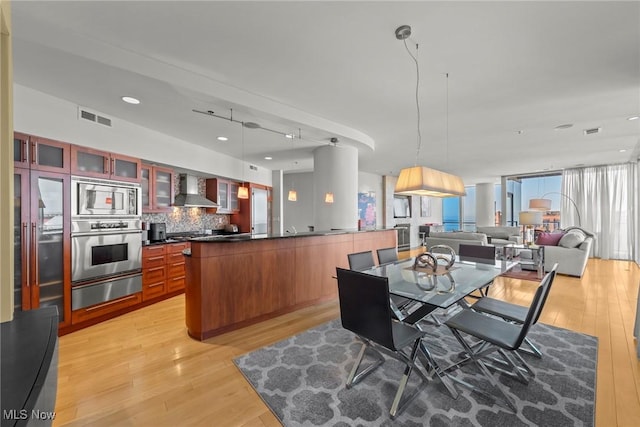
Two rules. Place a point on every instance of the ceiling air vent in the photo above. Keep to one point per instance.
(592, 131)
(85, 114)
(253, 167)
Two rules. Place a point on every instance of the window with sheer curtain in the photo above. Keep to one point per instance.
(607, 198)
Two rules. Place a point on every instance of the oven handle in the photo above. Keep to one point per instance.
(105, 233)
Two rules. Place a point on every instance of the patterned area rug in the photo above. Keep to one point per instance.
(302, 380)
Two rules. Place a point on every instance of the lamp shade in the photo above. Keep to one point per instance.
(423, 181)
(243, 192)
(540, 204)
(328, 198)
(530, 218)
(293, 195)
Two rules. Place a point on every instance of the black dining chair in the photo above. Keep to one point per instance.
(513, 312)
(497, 335)
(361, 260)
(387, 255)
(479, 254)
(365, 311)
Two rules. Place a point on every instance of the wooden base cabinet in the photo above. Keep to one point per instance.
(163, 269)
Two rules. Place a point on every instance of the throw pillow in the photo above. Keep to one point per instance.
(549, 239)
(573, 239)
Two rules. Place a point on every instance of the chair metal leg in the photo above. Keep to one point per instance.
(532, 350)
(400, 404)
(442, 376)
(354, 376)
(484, 370)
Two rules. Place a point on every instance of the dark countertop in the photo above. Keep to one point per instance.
(243, 237)
(28, 351)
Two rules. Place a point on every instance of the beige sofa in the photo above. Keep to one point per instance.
(454, 239)
(571, 253)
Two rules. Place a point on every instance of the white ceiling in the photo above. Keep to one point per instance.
(335, 69)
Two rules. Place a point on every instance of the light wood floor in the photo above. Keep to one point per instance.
(142, 369)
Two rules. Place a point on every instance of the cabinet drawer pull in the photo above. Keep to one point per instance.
(106, 304)
(176, 264)
(155, 258)
(149, 270)
(155, 284)
(178, 278)
(153, 248)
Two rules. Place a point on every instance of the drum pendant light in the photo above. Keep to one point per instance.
(421, 180)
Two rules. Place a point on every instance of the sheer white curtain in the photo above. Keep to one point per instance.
(607, 198)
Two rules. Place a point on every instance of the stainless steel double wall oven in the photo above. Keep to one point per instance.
(106, 241)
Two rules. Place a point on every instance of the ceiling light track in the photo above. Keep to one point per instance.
(254, 125)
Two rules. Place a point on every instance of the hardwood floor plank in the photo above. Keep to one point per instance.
(142, 369)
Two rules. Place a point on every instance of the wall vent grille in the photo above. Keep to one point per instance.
(592, 131)
(253, 167)
(85, 114)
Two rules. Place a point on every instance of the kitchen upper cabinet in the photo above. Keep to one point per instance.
(42, 257)
(101, 164)
(157, 188)
(225, 194)
(34, 152)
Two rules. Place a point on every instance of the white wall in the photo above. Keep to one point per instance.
(298, 214)
(40, 114)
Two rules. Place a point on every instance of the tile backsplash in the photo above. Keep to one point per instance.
(188, 219)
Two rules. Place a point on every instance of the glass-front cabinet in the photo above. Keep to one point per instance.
(225, 194)
(101, 164)
(42, 242)
(33, 152)
(157, 188)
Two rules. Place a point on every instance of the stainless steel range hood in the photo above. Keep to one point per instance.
(189, 197)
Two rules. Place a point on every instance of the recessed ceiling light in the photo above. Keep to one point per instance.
(289, 135)
(131, 100)
(222, 138)
(565, 126)
(268, 158)
(623, 150)
(634, 118)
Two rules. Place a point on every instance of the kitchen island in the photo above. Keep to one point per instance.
(236, 281)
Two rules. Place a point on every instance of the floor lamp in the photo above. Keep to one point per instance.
(529, 219)
(543, 204)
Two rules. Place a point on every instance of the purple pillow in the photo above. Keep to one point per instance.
(549, 239)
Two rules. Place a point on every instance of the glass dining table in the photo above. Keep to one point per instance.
(433, 291)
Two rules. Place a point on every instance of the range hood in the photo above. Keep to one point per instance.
(189, 197)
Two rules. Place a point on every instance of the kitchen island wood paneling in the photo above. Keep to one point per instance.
(235, 282)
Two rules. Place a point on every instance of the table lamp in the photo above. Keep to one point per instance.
(528, 219)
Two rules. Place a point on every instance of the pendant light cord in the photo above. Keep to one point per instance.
(419, 143)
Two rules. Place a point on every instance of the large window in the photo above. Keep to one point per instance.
(451, 213)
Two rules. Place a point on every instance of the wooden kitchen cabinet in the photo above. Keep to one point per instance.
(254, 213)
(101, 164)
(42, 245)
(37, 153)
(157, 189)
(163, 269)
(176, 274)
(154, 271)
(225, 193)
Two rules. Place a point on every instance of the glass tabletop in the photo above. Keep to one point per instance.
(440, 290)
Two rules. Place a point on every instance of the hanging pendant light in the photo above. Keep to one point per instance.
(293, 194)
(328, 197)
(243, 192)
(421, 180)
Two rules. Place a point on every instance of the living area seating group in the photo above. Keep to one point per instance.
(569, 248)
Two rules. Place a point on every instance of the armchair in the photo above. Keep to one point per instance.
(502, 235)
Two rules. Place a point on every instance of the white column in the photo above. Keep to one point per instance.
(335, 170)
(277, 198)
(485, 201)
